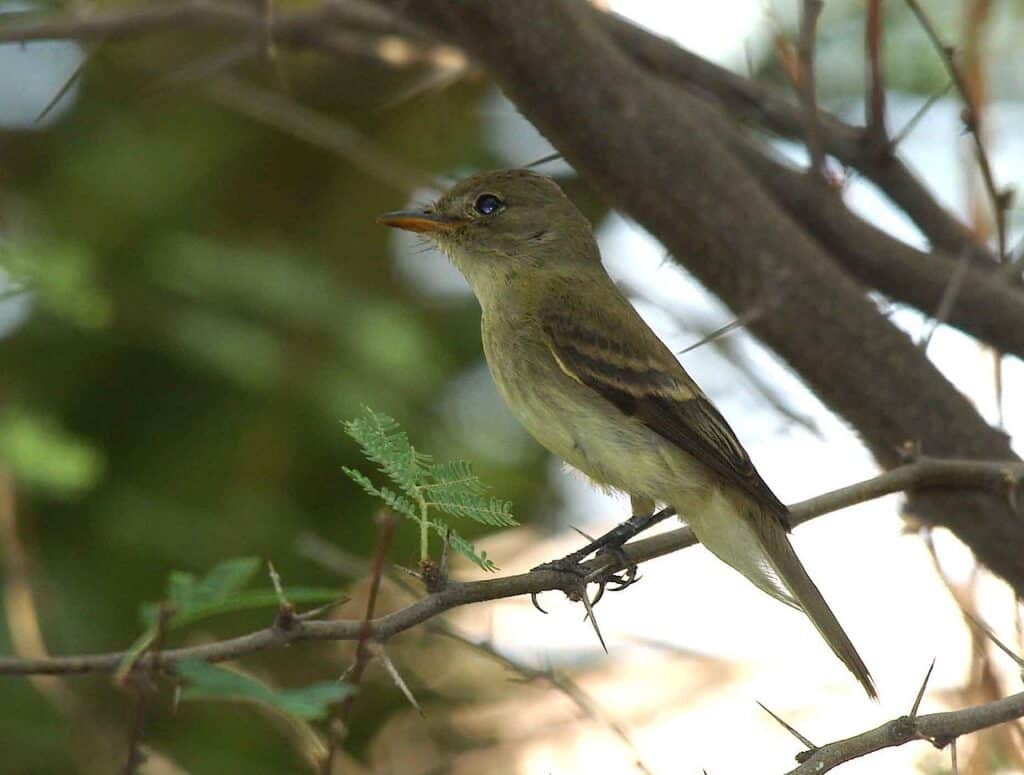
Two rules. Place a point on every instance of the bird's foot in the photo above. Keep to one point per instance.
(616, 574)
(620, 572)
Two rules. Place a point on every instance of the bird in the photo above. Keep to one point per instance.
(590, 381)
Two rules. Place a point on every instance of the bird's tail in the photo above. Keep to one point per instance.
(757, 546)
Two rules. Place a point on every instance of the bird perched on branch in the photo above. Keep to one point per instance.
(592, 382)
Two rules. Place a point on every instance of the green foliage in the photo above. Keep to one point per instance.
(40, 453)
(451, 488)
(62, 278)
(210, 682)
(192, 599)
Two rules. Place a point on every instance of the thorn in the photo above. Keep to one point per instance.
(396, 677)
(533, 599)
(409, 572)
(810, 746)
(313, 613)
(544, 159)
(275, 579)
(588, 537)
(952, 755)
(992, 637)
(444, 552)
(590, 615)
(920, 692)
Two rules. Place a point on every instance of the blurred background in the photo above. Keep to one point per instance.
(194, 295)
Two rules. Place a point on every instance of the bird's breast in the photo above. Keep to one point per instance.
(571, 420)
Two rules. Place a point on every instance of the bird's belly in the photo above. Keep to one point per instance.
(591, 435)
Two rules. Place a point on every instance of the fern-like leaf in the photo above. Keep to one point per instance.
(457, 474)
(463, 547)
(451, 488)
(386, 444)
(487, 511)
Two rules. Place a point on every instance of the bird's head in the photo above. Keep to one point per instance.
(504, 227)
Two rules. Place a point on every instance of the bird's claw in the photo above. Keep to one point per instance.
(602, 576)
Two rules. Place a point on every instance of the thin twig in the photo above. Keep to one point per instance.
(1000, 200)
(949, 294)
(875, 109)
(563, 683)
(314, 128)
(386, 523)
(19, 603)
(811, 10)
(920, 113)
(924, 474)
(138, 681)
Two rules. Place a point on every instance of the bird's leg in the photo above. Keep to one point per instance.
(642, 510)
(644, 516)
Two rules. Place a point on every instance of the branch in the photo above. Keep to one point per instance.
(987, 306)
(810, 11)
(768, 108)
(386, 523)
(736, 94)
(972, 121)
(949, 475)
(875, 107)
(940, 729)
(134, 22)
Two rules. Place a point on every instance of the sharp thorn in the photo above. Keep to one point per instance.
(810, 746)
(920, 692)
(593, 620)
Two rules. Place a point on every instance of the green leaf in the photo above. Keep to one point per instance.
(239, 601)
(450, 487)
(385, 443)
(456, 474)
(362, 480)
(42, 454)
(494, 512)
(210, 682)
(187, 593)
(63, 278)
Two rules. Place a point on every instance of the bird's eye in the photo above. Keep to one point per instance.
(488, 204)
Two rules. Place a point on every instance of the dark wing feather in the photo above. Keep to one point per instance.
(644, 380)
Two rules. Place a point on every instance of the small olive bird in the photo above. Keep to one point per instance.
(590, 381)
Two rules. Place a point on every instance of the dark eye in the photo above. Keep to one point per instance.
(488, 204)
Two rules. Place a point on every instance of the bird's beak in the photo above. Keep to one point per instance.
(419, 221)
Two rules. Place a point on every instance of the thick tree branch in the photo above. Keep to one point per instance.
(740, 96)
(768, 108)
(941, 729)
(986, 306)
(1001, 479)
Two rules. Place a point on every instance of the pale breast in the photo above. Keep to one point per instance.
(574, 422)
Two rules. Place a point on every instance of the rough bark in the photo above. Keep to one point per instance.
(985, 305)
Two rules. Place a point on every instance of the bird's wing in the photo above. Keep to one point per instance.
(633, 370)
